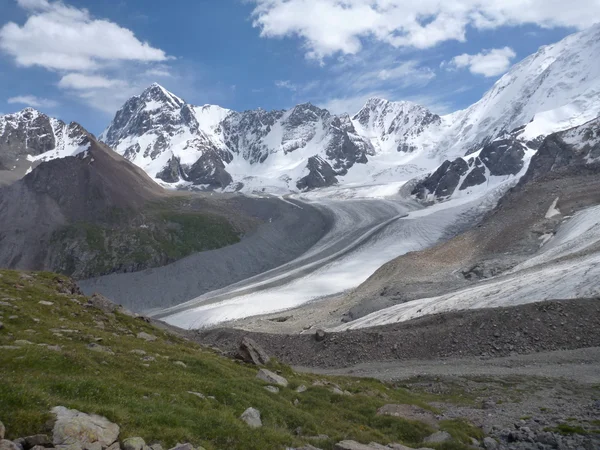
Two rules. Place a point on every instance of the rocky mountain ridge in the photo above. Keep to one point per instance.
(307, 147)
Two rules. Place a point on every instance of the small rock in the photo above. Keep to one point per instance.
(1, 325)
(272, 389)
(156, 447)
(99, 348)
(138, 352)
(38, 440)
(45, 303)
(92, 446)
(146, 336)
(250, 352)
(490, 444)
(320, 335)
(252, 417)
(115, 446)
(197, 394)
(180, 363)
(438, 438)
(183, 447)
(41, 447)
(8, 445)
(269, 377)
(133, 443)
(301, 389)
(22, 342)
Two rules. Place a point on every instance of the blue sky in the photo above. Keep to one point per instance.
(79, 60)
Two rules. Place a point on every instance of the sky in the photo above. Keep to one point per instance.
(81, 60)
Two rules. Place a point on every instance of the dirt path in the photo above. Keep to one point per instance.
(581, 365)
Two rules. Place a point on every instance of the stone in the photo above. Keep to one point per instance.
(45, 303)
(22, 342)
(252, 418)
(197, 394)
(180, 363)
(308, 447)
(269, 377)
(490, 444)
(99, 348)
(353, 445)
(1, 325)
(272, 389)
(183, 447)
(156, 447)
(92, 446)
(74, 427)
(2, 430)
(438, 438)
(250, 352)
(301, 389)
(41, 447)
(147, 337)
(115, 446)
(8, 445)
(38, 440)
(133, 443)
(409, 412)
(320, 335)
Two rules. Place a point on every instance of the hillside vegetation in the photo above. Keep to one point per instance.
(58, 349)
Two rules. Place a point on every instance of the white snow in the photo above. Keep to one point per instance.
(553, 210)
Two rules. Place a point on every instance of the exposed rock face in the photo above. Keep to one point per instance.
(74, 427)
(26, 135)
(320, 174)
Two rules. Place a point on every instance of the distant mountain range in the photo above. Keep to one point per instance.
(304, 148)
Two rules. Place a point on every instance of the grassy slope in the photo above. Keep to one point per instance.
(153, 402)
(124, 241)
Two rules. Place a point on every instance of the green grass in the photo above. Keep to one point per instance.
(153, 402)
(160, 234)
(567, 429)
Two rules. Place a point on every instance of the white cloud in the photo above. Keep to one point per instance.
(60, 37)
(286, 84)
(489, 63)
(328, 27)
(32, 100)
(83, 81)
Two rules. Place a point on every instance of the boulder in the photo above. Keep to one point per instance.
(250, 352)
(409, 412)
(74, 427)
(438, 438)
(252, 417)
(320, 335)
(272, 378)
(133, 443)
(8, 445)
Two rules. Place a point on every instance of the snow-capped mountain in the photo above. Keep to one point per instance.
(307, 147)
(28, 136)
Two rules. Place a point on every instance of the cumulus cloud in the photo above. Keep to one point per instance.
(328, 27)
(83, 81)
(92, 57)
(488, 63)
(32, 100)
(60, 37)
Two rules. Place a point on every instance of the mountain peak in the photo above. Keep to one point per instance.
(157, 93)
